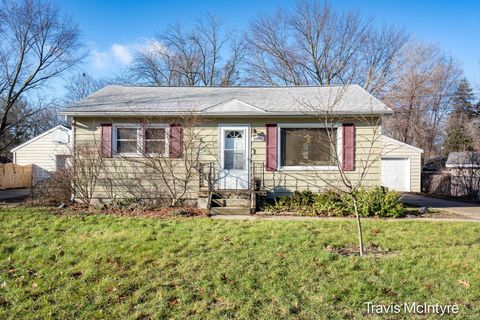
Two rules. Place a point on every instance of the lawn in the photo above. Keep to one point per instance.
(110, 267)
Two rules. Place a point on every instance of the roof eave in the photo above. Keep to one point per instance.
(216, 114)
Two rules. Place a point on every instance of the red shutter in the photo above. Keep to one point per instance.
(106, 140)
(271, 160)
(348, 147)
(175, 143)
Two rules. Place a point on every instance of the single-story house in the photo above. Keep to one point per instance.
(463, 160)
(47, 152)
(401, 165)
(275, 139)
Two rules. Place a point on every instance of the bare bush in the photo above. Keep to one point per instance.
(81, 178)
(170, 172)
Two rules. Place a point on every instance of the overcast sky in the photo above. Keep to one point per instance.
(113, 29)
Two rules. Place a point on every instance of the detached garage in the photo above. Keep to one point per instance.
(401, 165)
(47, 152)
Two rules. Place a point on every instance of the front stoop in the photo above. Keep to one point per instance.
(232, 202)
(230, 210)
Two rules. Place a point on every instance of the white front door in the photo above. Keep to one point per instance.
(396, 173)
(234, 164)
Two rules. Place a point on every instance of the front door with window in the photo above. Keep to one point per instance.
(234, 164)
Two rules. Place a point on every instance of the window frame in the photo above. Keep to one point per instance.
(336, 125)
(140, 139)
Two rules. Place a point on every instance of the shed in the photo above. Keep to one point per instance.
(46, 152)
(401, 166)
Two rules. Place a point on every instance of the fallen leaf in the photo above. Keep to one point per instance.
(173, 301)
(464, 283)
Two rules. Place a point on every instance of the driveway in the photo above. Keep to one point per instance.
(13, 195)
(461, 208)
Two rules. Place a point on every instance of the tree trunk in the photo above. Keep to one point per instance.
(359, 226)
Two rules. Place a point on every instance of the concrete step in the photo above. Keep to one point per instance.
(233, 194)
(231, 202)
(230, 210)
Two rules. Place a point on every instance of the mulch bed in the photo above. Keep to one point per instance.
(161, 212)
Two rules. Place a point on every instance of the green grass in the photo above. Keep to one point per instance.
(108, 267)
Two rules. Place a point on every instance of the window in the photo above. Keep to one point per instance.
(127, 140)
(307, 147)
(155, 140)
(136, 140)
(234, 150)
(62, 162)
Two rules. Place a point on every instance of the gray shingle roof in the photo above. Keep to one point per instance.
(463, 159)
(120, 100)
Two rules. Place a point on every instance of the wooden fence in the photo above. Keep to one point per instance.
(15, 176)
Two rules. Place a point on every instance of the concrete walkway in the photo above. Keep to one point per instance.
(254, 217)
(10, 195)
(464, 209)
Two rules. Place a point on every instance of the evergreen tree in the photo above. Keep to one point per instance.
(463, 111)
(463, 100)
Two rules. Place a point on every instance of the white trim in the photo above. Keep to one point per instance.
(402, 144)
(305, 114)
(140, 138)
(61, 127)
(335, 125)
(459, 165)
(232, 126)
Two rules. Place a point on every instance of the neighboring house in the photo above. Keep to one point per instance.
(462, 160)
(456, 175)
(401, 165)
(464, 169)
(47, 152)
(269, 135)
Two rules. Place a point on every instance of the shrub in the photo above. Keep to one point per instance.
(299, 202)
(49, 192)
(373, 202)
(380, 202)
(331, 203)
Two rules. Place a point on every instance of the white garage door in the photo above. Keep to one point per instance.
(396, 173)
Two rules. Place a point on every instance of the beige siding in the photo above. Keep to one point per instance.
(278, 182)
(41, 153)
(395, 149)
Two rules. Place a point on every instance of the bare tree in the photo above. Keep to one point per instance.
(37, 43)
(80, 85)
(421, 96)
(366, 140)
(205, 56)
(314, 45)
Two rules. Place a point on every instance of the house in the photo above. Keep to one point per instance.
(268, 138)
(462, 160)
(457, 175)
(47, 152)
(401, 165)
